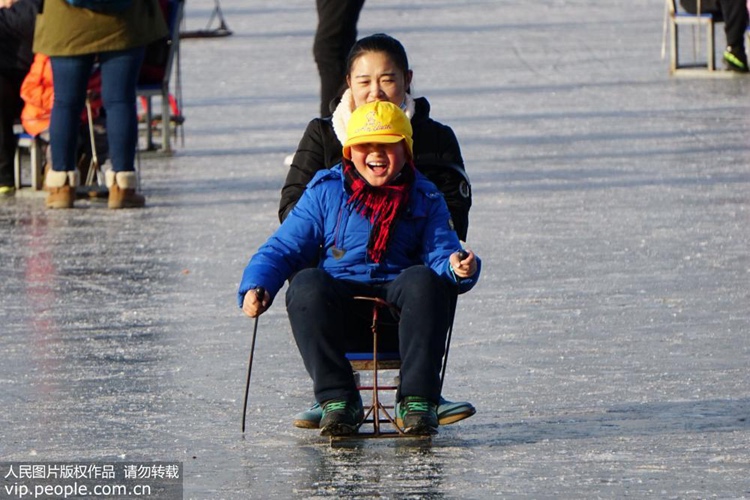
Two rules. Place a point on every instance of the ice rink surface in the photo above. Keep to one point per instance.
(606, 348)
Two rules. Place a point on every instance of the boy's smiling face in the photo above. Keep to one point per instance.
(379, 163)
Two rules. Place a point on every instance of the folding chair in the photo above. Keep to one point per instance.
(674, 18)
(36, 159)
(148, 90)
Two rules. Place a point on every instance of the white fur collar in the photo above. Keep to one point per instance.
(344, 110)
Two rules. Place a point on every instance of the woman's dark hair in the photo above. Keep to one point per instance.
(379, 42)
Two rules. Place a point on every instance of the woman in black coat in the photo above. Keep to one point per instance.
(378, 69)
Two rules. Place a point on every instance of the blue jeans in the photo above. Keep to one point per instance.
(119, 70)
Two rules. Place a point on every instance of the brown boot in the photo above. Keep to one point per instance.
(61, 187)
(122, 193)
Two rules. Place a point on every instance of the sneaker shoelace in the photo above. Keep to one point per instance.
(334, 406)
(418, 406)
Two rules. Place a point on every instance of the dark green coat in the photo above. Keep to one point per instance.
(63, 30)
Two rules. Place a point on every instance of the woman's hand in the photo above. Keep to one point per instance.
(464, 263)
(7, 3)
(256, 302)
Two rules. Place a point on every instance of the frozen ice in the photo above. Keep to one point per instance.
(605, 348)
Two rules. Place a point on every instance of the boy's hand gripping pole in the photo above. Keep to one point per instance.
(259, 292)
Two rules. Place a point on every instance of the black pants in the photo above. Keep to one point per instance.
(733, 12)
(10, 110)
(327, 323)
(334, 37)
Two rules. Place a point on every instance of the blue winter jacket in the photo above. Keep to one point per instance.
(322, 227)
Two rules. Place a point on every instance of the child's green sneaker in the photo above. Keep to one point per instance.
(7, 191)
(448, 412)
(419, 415)
(341, 417)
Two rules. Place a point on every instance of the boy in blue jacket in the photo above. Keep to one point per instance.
(378, 229)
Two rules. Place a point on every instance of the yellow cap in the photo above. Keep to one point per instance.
(378, 122)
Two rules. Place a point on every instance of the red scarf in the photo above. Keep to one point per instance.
(381, 205)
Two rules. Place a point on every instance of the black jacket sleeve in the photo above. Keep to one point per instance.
(437, 155)
(318, 149)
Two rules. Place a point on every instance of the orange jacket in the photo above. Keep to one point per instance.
(38, 94)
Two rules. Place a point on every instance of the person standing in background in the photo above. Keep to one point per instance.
(75, 38)
(735, 16)
(334, 37)
(16, 36)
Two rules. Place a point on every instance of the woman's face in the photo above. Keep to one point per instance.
(379, 163)
(374, 77)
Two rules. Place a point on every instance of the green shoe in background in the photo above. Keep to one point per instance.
(736, 59)
(419, 416)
